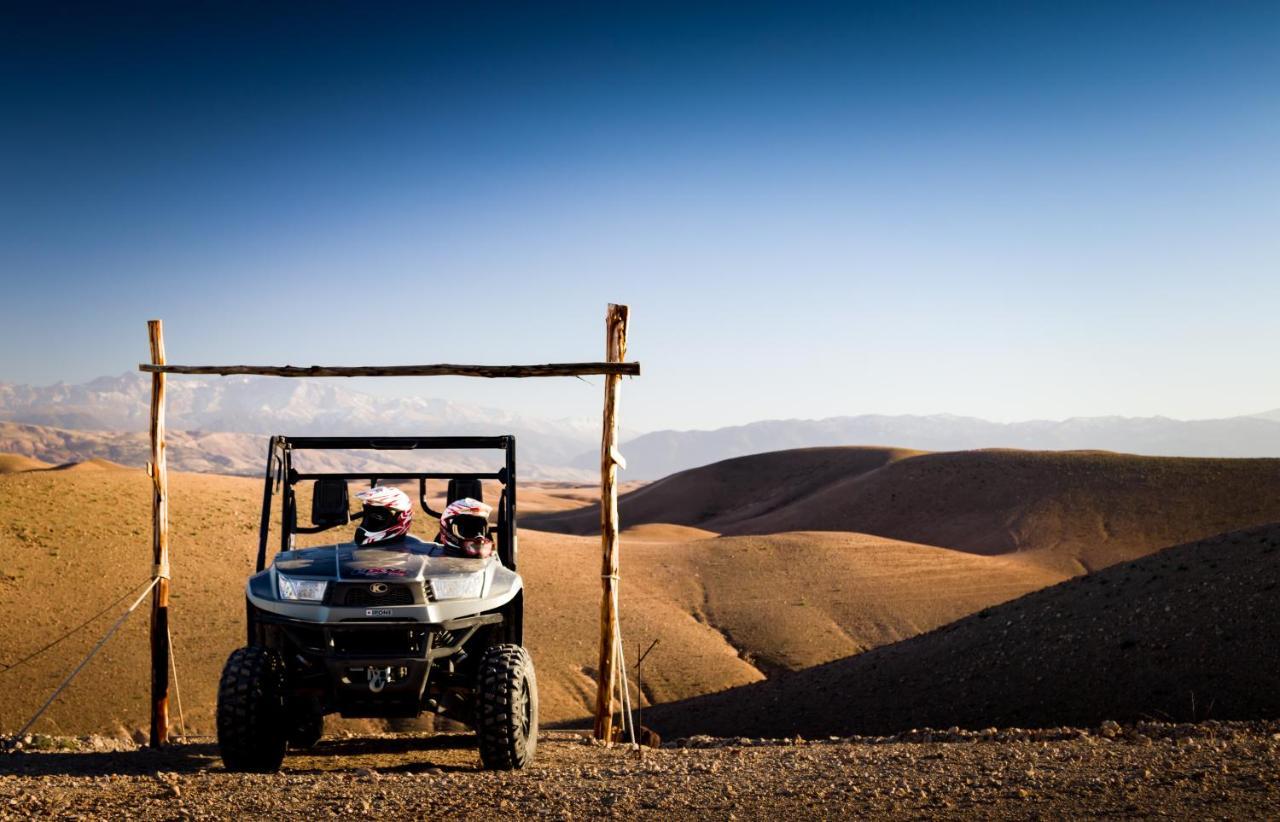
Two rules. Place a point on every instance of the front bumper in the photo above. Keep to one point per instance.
(370, 667)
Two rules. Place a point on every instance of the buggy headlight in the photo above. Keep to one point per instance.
(303, 590)
(466, 586)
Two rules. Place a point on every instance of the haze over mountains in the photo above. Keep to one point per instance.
(218, 424)
(224, 420)
(660, 453)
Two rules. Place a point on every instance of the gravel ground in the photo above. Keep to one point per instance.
(1210, 770)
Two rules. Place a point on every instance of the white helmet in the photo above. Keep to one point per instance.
(464, 528)
(388, 512)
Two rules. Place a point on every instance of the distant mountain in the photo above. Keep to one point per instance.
(237, 453)
(219, 413)
(660, 453)
(262, 405)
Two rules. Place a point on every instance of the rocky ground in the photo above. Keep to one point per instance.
(1209, 770)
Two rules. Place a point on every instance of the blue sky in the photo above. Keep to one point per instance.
(1005, 210)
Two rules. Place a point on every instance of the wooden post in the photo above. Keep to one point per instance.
(616, 345)
(160, 547)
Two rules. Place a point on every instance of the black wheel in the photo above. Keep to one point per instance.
(305, 730)
(507, 708)
(252, 726)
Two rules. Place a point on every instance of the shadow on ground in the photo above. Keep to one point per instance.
(390, 754)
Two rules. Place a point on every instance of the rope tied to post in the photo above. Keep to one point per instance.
(75, 672)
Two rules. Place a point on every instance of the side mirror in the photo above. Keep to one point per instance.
(330, 505)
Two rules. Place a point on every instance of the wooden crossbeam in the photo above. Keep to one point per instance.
(565, 369)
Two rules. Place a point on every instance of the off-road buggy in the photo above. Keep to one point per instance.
(381, 631)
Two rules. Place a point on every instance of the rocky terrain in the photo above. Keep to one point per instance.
(1212, 770)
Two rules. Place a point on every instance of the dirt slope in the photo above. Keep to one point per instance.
(1189, 632)
(95, 464)
(13, 463)
(1075, 510)
(735, 609)
(716, 496)
(724, 610)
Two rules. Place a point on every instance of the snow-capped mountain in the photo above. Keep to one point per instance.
(262, 405)
(222, 420)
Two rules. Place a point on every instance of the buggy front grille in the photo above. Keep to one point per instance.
(361, 596)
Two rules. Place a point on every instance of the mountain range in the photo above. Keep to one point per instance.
(218, 425)
(661, 453)
(243, 409)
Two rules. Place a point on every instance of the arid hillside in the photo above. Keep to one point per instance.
(1188, 633)
(1073, 510)
(725, 611)
(13, 463)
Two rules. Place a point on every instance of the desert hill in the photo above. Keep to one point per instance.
(662, 453)
(715, 497)
(1074, 510)
(725, 610)
(1186, 633)
(95, 464)
(13, 463)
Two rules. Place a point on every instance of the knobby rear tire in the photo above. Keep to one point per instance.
(252, 720)
(507, 708)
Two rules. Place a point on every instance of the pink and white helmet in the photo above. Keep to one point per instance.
(388, 512)
(464, 528)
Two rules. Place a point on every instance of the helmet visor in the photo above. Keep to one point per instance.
(469, 526)
(378, 518)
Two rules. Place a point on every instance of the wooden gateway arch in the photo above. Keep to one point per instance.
(611, 678)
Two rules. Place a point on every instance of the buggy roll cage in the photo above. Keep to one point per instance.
(281, 476)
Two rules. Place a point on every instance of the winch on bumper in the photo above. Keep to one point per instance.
(378, 667)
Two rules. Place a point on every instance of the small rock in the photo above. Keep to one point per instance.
(1109, 729)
